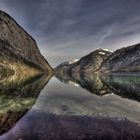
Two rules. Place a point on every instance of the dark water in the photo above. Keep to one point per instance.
(70, 108)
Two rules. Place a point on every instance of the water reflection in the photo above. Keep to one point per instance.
(66, 111)
(91, 82)
(64, 99)
(17, 96)
(125, 85)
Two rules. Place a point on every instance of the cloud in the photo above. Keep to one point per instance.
(106, 34)
(68, 26)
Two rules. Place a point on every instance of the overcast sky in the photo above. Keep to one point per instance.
(69, 29)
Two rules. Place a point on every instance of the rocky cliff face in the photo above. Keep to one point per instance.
(123, 60)
(89, 63)
(18, 50)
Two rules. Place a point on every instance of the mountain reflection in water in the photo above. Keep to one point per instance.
(126, 85)
(17, 96)
(32, 111)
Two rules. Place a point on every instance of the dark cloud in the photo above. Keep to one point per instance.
(67, 29)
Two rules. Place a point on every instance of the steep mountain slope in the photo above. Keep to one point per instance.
(126, 59)
(18, 50)
(89, 63)
(123, 60)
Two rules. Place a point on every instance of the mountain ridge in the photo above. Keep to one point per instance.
(15, 41)
(126, 59)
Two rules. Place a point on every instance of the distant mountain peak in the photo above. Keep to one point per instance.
(126, 59)
(73, 61)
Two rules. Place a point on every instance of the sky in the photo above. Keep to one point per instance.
(70, 29)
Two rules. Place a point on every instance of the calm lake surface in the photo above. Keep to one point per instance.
(71, 99)
(29, 105)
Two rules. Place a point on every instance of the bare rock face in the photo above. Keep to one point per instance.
(18, 50)
(91, 82)
(123, 60)
(89, 63)
(126, 59)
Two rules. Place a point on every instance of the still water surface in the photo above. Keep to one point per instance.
(29, 105)
(71, 99)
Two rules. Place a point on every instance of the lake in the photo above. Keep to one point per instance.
(44, 107)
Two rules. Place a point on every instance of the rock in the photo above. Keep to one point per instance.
(62, 127)
(89, 63)
(18, 50)
(123, 60)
